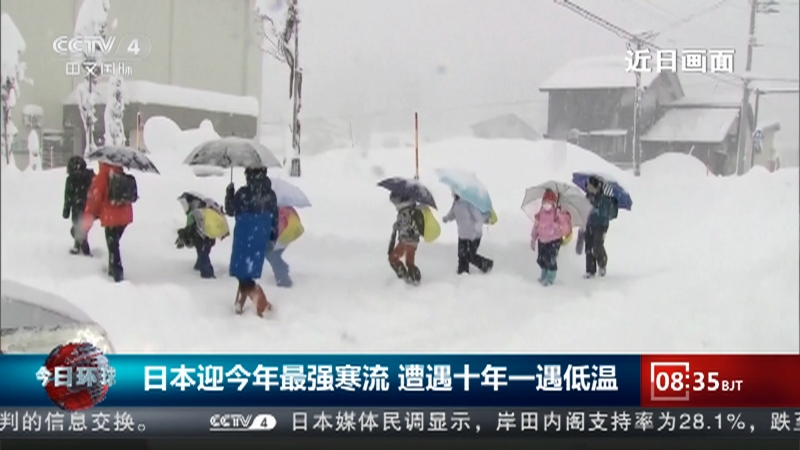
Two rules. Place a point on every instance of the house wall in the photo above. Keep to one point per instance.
(201, 44)
(768, 151)
(719, 157)
(600, 109)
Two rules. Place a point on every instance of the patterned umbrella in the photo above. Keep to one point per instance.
(127, 157)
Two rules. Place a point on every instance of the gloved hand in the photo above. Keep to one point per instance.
(446, 219)
(533, 245)
(230, 187)
(179, 242)
(65, 213)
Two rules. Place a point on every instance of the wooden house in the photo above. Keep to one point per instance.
(707, 128)
(231, 115)
(506, 126)
(591, 103)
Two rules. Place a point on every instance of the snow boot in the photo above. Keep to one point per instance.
(85, 250)
(238, 304)
(399, 270)
(550, 277)
(414, 276)
(117, 274)
(602, 271)
(259, 299)
(487, 266)
(542, 276)
(588, 276)
(75, 249)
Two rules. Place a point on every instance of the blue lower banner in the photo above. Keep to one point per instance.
(334, 380)
(154, 423)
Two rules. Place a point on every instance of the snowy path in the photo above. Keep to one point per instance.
(674, 285)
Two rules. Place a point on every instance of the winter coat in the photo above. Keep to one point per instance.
(603, 207)
(551, 225)
(469, 220)
(407, 223)
(76, 188)
(256, 211)
(98, 205)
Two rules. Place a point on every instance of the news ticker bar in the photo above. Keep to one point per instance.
(109, 423)
(558, 381)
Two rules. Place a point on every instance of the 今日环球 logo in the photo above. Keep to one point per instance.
(76, 376)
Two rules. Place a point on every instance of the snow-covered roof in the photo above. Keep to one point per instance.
(598, 72)
(717, 101)
(149, 93)
(708, 125)
(608, 132)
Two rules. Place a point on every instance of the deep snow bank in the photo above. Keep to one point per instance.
(708, 264)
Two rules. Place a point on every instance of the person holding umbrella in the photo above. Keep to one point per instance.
(110, 198)
(205, 223)
(469, 221)
(604, 209)
(551, 225)
(406, 232)
(255, 208)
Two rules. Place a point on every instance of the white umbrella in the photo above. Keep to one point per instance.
(289, 194)
(570, 198)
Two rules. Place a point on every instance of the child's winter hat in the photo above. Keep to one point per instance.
(549, 196)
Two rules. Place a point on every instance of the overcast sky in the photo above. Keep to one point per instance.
(461, 58)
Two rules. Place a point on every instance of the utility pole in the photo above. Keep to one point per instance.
(636, 43)
(637, 48)
(743, 113)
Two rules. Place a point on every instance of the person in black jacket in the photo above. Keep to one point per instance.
(79, 178)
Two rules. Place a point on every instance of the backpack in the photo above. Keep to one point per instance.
(613, 208)
(215, 225)
(290, 228)
(430, 226)
(418, 216)
(122, 189)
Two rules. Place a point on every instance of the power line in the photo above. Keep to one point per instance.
(694, 16)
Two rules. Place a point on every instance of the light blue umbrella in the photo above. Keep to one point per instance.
(289, 194)
(467, 186)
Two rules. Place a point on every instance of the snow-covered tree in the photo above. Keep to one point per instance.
(279, 21)
(91, 22)
(115, 108)
(12, 71)
(34, 151)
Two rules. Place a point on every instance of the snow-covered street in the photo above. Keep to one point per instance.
(701, 264)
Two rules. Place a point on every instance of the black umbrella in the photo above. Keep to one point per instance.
(409, 189)
(127, 157)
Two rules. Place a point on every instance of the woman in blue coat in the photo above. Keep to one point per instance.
(255, 209)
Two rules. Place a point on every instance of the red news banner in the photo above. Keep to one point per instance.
(707, 381)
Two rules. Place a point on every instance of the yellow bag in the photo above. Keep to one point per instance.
(566, 239)
(492, 217)
(432, 229)
(215, 225)
(293, 228)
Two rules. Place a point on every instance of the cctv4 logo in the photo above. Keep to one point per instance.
(243, 422)
(91, 45)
